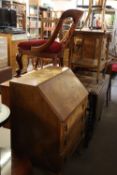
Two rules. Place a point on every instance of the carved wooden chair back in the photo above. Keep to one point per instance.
(71, 13)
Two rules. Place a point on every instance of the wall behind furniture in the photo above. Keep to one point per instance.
(0, 3)
(60, 4)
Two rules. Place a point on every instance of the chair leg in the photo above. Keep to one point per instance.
(35, 62)
(55, 61)
(110, 84)
(39, 61)
(108, 95)
(20, 64)
(61, 62)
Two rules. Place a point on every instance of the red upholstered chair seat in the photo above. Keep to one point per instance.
(55, 47)
(114, 67)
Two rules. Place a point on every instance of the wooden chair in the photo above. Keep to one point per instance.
(41, 48)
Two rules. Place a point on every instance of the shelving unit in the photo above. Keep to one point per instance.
(41, 21)
(33, 21)
(101, 17)
(44, 17)
(49, 19)
(20, 12)
(97, 20)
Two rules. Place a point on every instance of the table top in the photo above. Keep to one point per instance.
(4, 113)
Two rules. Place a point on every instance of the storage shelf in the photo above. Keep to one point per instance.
(36, 17)
(100, 17)
(20, 11)
(32, 28)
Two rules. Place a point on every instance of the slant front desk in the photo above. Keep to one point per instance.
(48, 115)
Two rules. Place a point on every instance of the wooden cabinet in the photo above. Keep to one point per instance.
(48, 115)
(13, 41)
(3, 52)
(90, 50)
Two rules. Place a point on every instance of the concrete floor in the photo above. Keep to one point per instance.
(100, 158)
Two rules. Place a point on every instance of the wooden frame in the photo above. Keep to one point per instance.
(42, 51)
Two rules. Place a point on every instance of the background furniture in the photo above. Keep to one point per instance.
(111, 69)
(101, 16)
(12, 42)
(48, 21)
(98, 97)
(5, 99)
(3, 52)
(90, 50)
(33, 22)
(20, 11)
(5, 138)
(5, 74)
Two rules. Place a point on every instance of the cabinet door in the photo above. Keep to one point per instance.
(89, 48)
(3, 52)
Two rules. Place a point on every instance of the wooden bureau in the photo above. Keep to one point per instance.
(47, 115)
